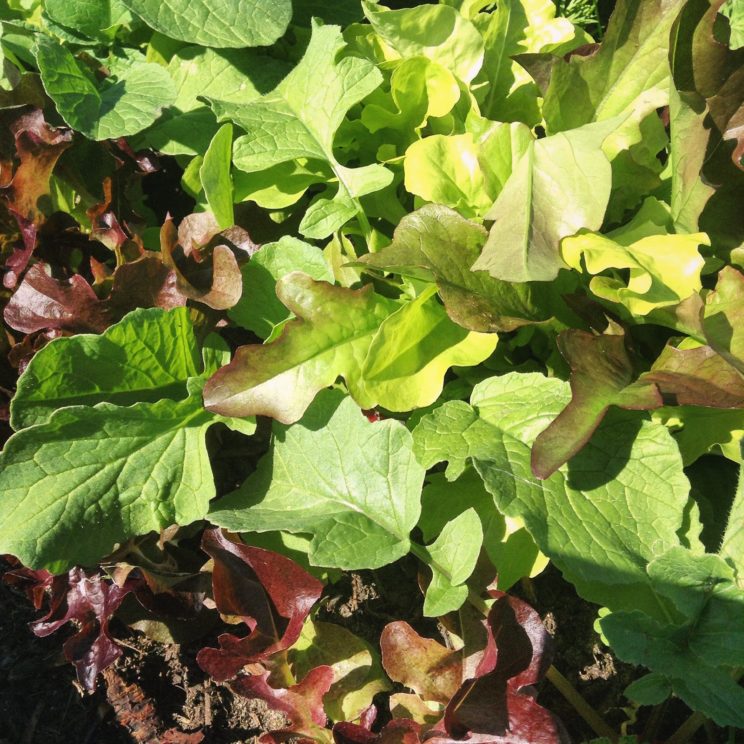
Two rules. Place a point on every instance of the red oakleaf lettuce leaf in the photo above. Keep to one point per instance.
(397, 731)
(88, 600)
(302, 704)
(270, 593)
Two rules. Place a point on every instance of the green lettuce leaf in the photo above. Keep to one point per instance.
(354, 485)
(108, 109)
(225, 23)
(214, 175)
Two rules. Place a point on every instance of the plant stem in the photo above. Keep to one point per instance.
(684, 733)
(590, 716)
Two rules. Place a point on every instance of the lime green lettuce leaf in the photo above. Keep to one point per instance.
(465, 171)
(225, 23)
(504, 90)
(437, 32)
(107, 109)
(214, 175)
(437, 244)
(259, 309)
(735, 13)
(389, 355)
(664, 269)
(354, 485)
(630, 68)
(148, 355)
(419, 89)
(603, 517)
(411, 352)
(723, 317)
(560, 185)
(299, 119)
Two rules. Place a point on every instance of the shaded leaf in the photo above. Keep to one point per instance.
(722, 317)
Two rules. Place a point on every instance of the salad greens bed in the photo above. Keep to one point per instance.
(325, 284)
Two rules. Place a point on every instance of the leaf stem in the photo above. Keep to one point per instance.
(590, 716)
(685, 732)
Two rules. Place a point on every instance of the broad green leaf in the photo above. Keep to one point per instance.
(232, 75)
(281, 185)
(664, 269)
(88, 17)
(412, 351)
(107, 109)
(214, 175)
(504, 89)
(438, 244)
(357, 672)
(603, 517)
(631, 64)
(437, 32)
(354, 485)
(148, 355)
(559, 186)
(225, 23)
(452, 557)
(508, 545)
(330, 337)
(259, 309)
(299, 119)
(710, 638)
(92, 477)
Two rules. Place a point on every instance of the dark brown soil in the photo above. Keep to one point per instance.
(157, 693)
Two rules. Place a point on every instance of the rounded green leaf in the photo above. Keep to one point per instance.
(223, 23)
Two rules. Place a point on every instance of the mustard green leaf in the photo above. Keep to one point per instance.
(148, 355)
(452, 557)
(437, 32)
(91, 477)
(732, 544)
(91, 18)
(330, 337)
(600, 519)
(354, 485)
(214, 175)
(259, 309)
(412, 351)
(105, 109)
(560, 185)
(300, 117)
(226, 23)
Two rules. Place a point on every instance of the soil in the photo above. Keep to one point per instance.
(157, 693)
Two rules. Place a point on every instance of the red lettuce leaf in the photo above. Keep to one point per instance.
(397, 731)
(271, 594)
(302, 704)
